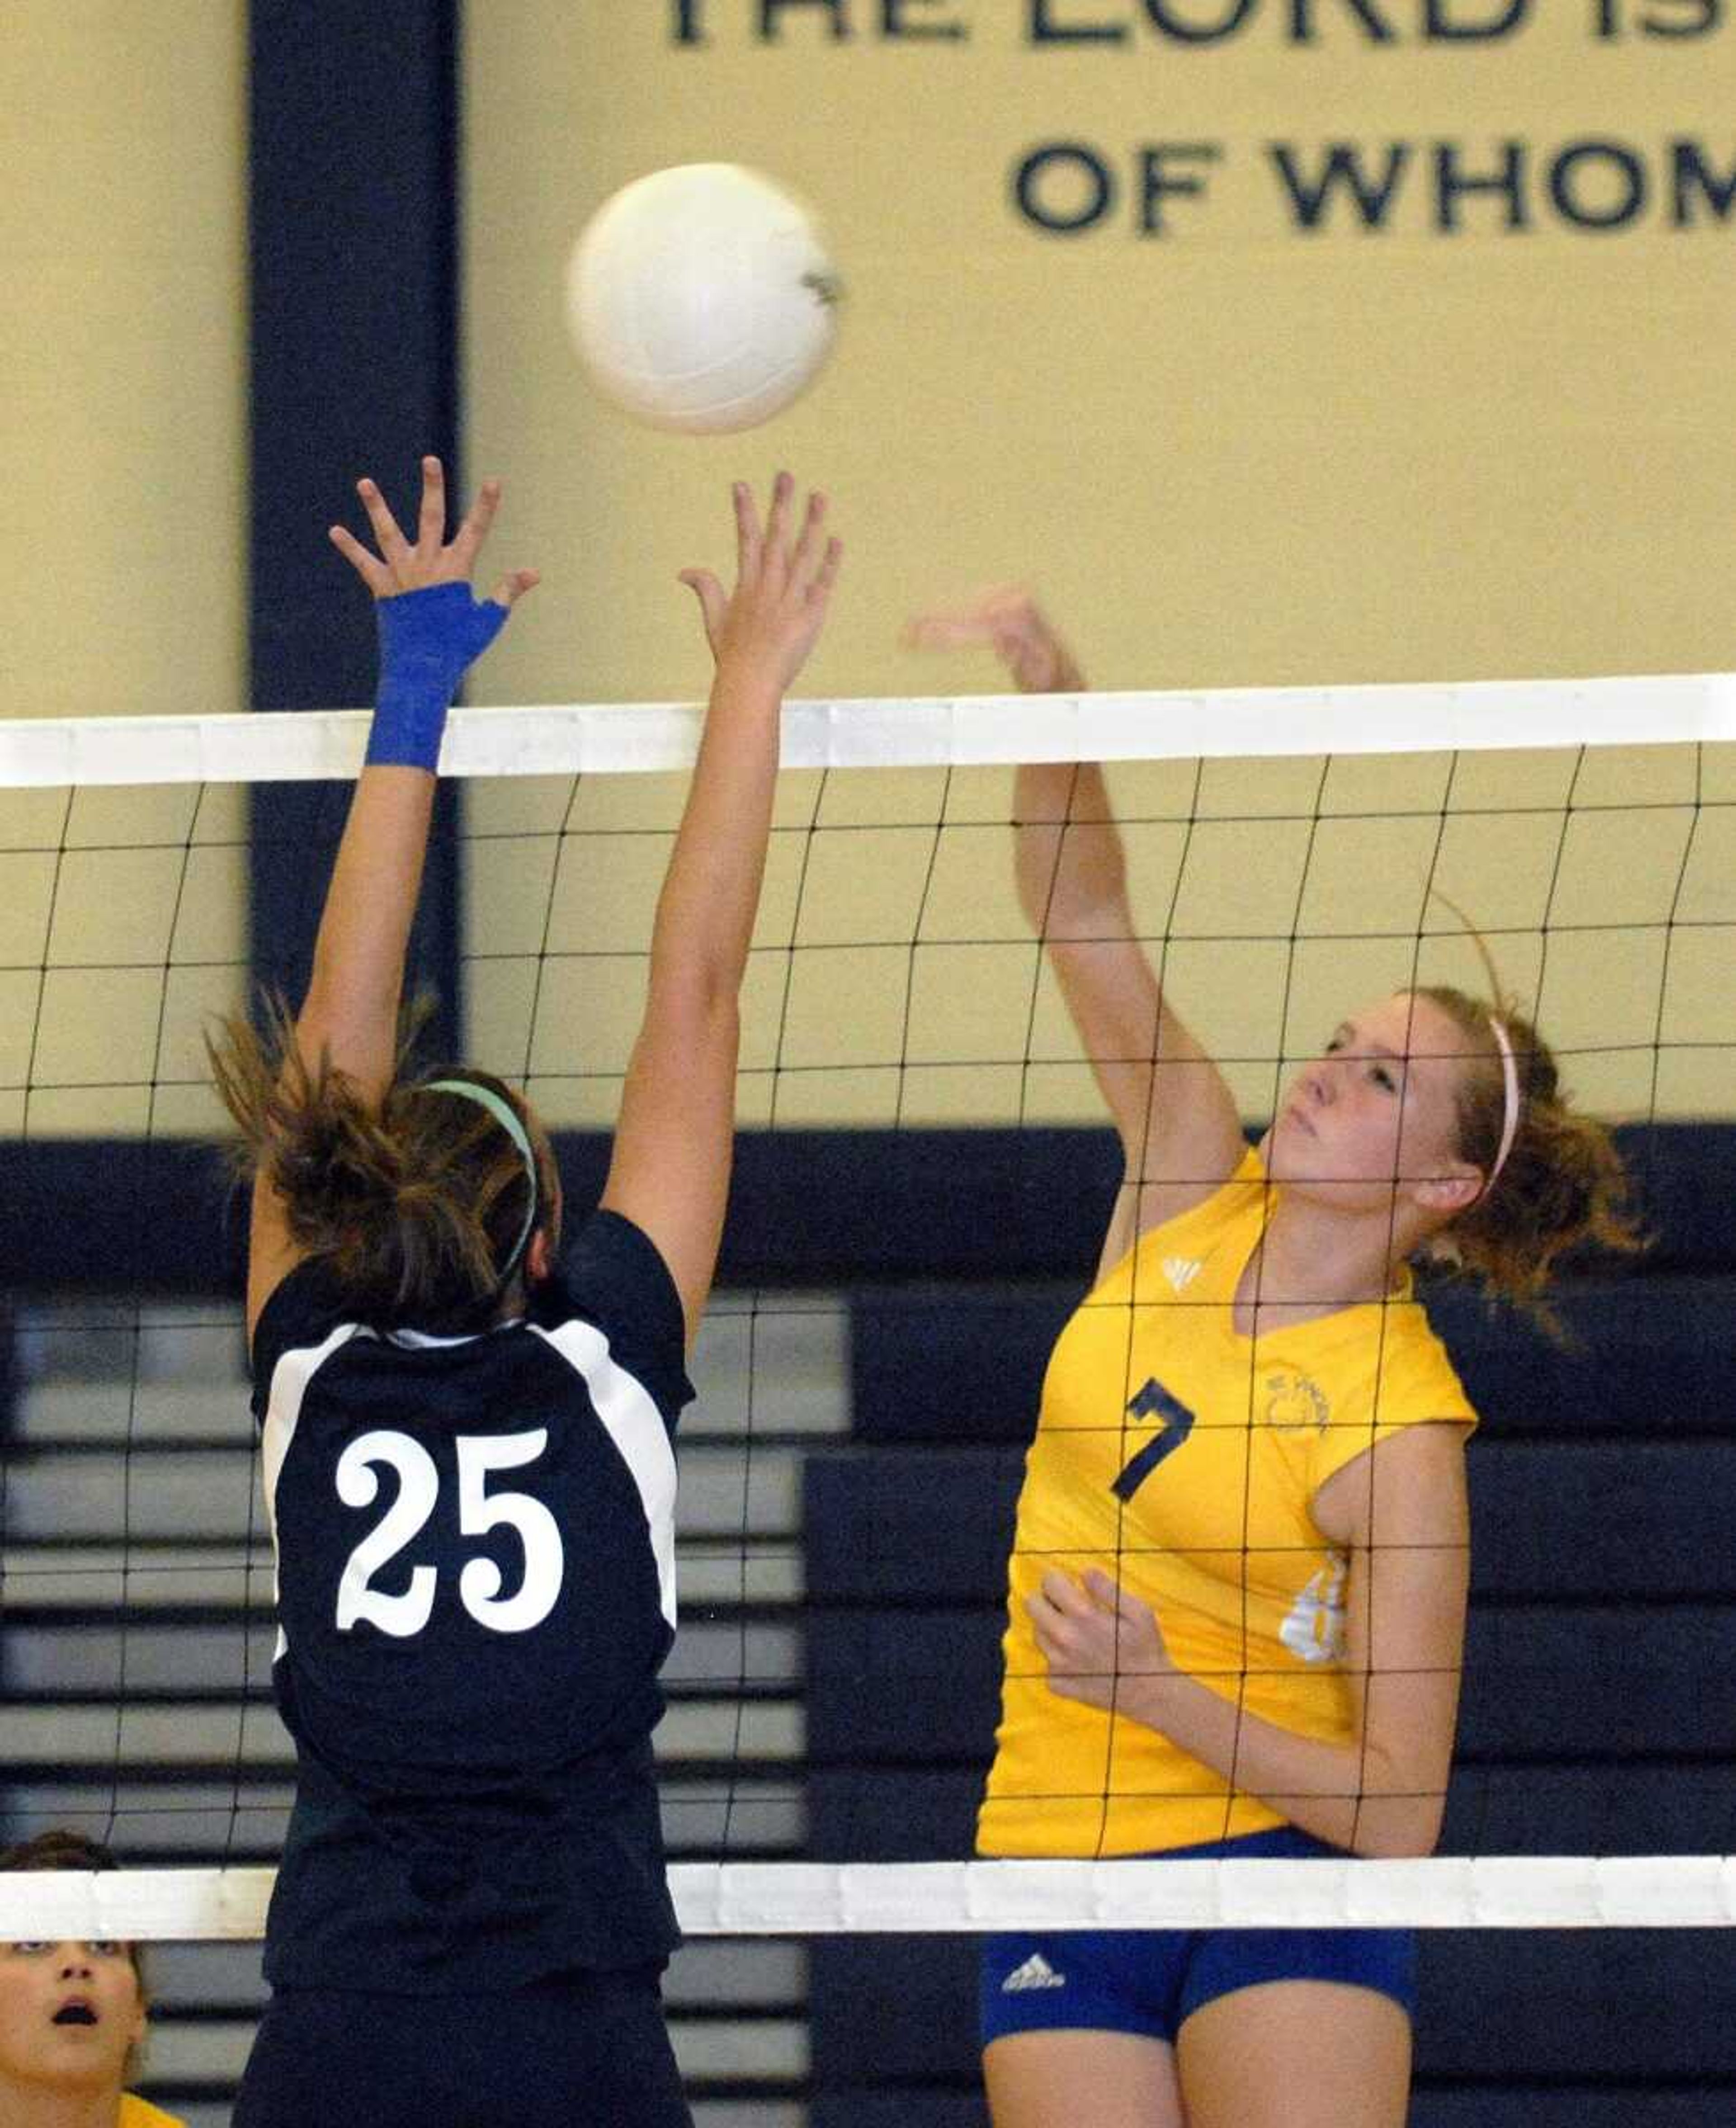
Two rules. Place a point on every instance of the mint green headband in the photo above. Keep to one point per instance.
(507, 1117)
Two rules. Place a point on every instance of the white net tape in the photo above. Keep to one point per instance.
(812, 1898)
(621, 737)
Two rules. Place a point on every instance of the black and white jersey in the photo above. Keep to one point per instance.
(475, 1591)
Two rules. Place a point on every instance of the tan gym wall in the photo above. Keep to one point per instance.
(1235, 453)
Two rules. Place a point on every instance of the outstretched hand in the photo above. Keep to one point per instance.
(766, 627)
(400, 566)
(1008, 619)
(1095, 1638)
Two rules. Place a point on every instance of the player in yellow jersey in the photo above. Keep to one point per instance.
(1238, 1586)
(72, 2016)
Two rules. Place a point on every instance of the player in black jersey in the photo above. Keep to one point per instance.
(467, 1433)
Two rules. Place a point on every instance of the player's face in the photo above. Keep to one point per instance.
(1377, 1110)
(70, 2014)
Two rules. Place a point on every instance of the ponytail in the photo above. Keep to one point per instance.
(422, 1207)
(1561, 1185)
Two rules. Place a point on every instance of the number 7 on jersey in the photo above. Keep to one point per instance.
(1154, 1401)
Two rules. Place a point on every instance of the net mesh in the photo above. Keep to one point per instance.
(920, 1194)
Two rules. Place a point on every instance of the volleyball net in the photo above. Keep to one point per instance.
(924, 1180)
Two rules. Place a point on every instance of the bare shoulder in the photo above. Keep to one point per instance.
(272, 1252)
(1157, 1200)
(1144, 1204)
(1189, 1136)
(1409, 1489)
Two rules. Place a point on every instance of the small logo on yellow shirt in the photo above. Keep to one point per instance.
(1181, 1271)
(1292, 1401)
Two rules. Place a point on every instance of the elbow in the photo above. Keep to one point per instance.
(1397, 1828)
(698, 965)
(1396, 1844)
(699, 995)
(1062, 917)
(1082, 895)
(699, 976)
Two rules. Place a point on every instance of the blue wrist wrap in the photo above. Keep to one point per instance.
(427, 637)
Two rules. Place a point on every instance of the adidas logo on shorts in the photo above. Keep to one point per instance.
(1036, 1972)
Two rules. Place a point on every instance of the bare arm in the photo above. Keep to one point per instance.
(670, 1170)
(1180, 1134)
(349, 1015)
(1400, 1513)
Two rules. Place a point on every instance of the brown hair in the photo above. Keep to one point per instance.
(417, 1205)
(61, 1848)
(1562, 1185)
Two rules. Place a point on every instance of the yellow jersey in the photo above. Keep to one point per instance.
(1182, 1457)
(137, 2112)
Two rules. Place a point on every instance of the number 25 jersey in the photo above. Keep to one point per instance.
(475, 1543)
(1182, 1458)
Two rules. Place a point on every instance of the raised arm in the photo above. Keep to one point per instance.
(431, 627)
(670, 1169)
(1180, 1134)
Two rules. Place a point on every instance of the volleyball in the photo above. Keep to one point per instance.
(702, 299)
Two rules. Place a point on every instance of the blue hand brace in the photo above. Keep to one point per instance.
(427, 637)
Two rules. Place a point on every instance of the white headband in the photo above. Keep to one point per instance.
(1509, 1099)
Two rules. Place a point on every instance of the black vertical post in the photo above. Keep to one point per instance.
(8, 1400)
(353, 210)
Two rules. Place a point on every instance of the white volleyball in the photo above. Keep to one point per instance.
(701, 298)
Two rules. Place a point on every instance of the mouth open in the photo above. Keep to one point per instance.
(75, 2013)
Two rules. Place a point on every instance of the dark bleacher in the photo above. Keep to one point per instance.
(1598, 1715)
(8, 1404)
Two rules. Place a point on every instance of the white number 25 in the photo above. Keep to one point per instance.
(479, 1510)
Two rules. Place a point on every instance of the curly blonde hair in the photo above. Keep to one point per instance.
(1562, 1185)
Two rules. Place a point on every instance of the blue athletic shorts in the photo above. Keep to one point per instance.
(579, 2050)
(1151, 1981)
